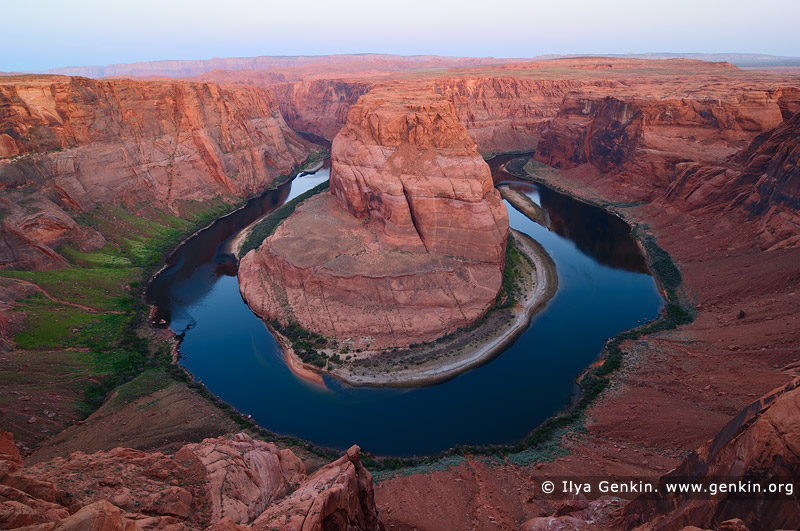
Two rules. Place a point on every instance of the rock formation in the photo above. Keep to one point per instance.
(233, 483)
(720, 149)
(319, 106)
(762, 442)
(648, 136)
(337, 496)
(69, 144)
(763, 180)
(504, 113)
(700, 148)
(408, 246)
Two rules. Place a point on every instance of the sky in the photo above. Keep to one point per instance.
(42, 34)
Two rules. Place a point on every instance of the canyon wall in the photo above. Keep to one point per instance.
(728, 149)
(648, 136)
(320, 106)
(70, 144)
(506, 114)
(762, 180)
(648, 133)
(408, 246)
(501, 113)
(762, 442)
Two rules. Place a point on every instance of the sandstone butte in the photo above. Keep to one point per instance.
(408, 246)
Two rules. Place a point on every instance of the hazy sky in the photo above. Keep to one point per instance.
(41, 34)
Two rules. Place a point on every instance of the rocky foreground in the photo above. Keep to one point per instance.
(239, 483)
(223, 484)
(408, 246)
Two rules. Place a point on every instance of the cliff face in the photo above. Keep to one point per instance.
(69, 144)
(728, 150)
(647, 137)
(414, 169)
(236, 483)
(319, 106)
(501, 113)
(409, 245)
(762, 180)
(763, 442)
(505, 114)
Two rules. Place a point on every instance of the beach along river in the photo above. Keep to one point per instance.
(603, 288)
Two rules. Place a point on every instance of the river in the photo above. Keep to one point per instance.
(604, 288)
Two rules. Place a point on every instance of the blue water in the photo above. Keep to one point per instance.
(603, 289)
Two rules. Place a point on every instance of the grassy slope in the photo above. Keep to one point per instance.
(86, 343)
(90, 335)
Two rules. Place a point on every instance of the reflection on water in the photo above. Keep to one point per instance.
(603, 290)
(605, 238)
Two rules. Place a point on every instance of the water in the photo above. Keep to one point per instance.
(603, 289)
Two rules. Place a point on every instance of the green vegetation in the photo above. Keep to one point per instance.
(304, 343)
(113, 350)
(98, 311)
(426, 467)
(100, 288)
(539, 445)
(314, 159)
(51, 325)
(516, 166)
(264, 228)
(145, 384)
(662, 265)
(515, 261)
(96, 327)
(108, 256)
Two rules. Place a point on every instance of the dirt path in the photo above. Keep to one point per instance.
(61, 301)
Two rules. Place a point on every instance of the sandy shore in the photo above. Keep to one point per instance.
(300, 369)
(539, 289)
(235, 243)
(525, 204)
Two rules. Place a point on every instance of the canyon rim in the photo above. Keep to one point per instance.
(225, 282)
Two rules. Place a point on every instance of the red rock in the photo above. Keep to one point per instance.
(245, 475)
(319, 106)
(506, 114)
(763, 180)
(337, 496)
(762, 441)
(98, 516)
(241, 478)
(404, 160)
(173, 501)
(8, 450)
(412, 246)
(76, 143)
